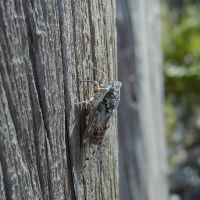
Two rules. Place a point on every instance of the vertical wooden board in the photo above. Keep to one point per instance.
(18, 155)
(141, 131)
(94, 26)
(2, 189)
(45, 46)
(32, 77)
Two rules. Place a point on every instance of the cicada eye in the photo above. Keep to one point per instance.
(112, 89)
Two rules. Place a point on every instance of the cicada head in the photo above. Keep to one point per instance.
(116, 85)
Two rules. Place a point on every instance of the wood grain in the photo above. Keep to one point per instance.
(45, 46)
(142, 151)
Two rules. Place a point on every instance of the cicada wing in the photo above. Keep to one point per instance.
(93, 154)
(100, 152)
(97, 100)
(90, 128)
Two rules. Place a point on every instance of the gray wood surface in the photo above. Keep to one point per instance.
(44, 47)
(142, 163)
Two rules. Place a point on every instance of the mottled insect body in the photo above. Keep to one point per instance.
(101, 108)
(108, 99)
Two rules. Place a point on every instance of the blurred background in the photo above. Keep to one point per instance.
(181, 54)
(159, 113)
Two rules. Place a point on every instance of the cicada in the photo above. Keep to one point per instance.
(102, 105)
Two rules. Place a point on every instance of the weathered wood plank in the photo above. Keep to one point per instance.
(143, 166)
(45, 46)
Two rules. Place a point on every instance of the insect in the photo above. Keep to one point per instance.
(102, 105)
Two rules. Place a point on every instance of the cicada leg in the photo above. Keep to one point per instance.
(103, 78)
(96, 89)
(82, 102)
(96, 85)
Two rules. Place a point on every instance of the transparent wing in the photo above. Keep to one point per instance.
(93, 154)
(96, 102)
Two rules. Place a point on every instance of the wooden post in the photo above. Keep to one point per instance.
(45, 47)
(143, 166)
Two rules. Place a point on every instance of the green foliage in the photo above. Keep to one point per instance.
(181, 45)
(181, 49)
(170, 119)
